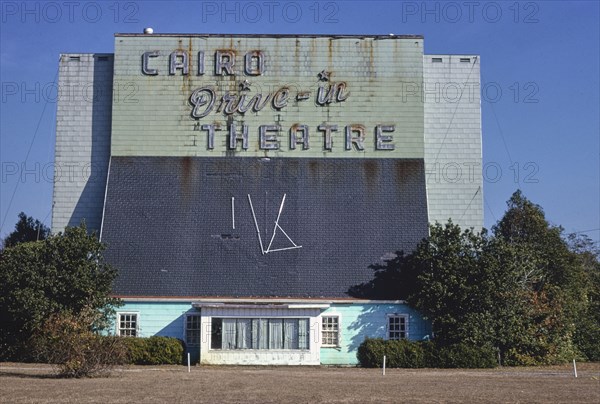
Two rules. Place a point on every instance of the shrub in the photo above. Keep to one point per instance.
(464, 355)
(405, 354)
(587, 339)
(431, 354)
(154, 351)
(419, 354)
(399, 354)
(68, 343)
(370, 353)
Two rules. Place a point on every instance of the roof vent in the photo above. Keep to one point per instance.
(148, 31)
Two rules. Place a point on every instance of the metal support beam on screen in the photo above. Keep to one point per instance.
(276, 226)
(262, 250)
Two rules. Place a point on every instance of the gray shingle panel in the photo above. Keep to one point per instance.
(168, 223)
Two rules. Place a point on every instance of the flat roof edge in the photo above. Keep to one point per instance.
(451, 54)
(86, 54)
(246, 300)
(333, 36)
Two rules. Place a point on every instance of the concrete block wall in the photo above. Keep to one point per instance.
(451, 96)
(83, 129)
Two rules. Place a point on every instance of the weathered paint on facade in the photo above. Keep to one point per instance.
(152, 113)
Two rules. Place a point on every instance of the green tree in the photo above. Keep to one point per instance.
(27, 229)
(587, 324)
(548, 255)
(64, 273)
(552, 284)
(458, 286)
(525, 290)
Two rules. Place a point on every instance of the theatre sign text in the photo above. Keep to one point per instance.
(207, 99)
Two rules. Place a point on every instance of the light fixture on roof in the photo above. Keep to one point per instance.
(148, 31)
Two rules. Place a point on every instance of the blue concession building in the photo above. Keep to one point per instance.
(244, 184)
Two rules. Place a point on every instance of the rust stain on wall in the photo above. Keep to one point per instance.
(186, 176)
(404, 171)
(371, 173)
(188, 78)
(313, 168)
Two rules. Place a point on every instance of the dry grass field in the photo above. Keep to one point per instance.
(25, 383)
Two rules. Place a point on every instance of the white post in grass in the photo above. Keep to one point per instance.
(574, 368)
(383, 365)
(189, 369)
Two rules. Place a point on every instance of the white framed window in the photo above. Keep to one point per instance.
(397, 326)
(192, 329)
(127, 324)
(330, 331)
(260, 333)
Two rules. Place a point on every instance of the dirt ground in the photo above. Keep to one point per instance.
(26, 383)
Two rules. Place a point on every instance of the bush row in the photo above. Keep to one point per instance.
(154, 351)
(420, 354)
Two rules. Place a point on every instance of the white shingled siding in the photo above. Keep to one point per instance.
(83, 125)
(451, 94)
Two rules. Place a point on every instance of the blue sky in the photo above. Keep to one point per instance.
(539, 63)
